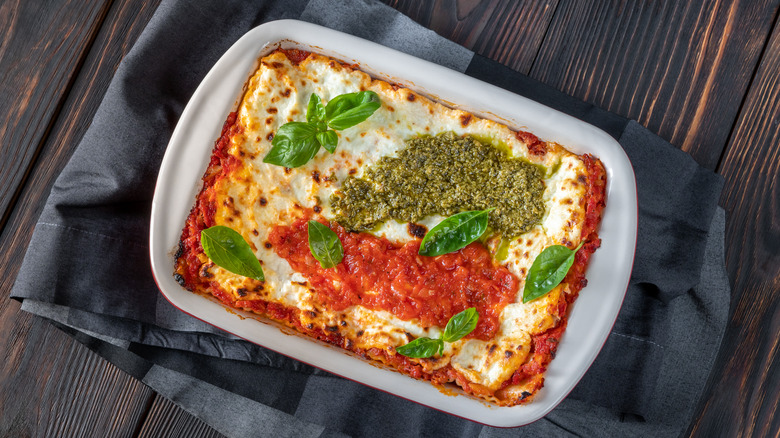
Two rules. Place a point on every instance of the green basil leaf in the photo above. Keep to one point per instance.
(347, 110)
(548, 270)
(316, 110)
(460, 325)
(455, 232)
(325, 245)
(226, 248)
(328, 139)
(293, 145)
(421, 347)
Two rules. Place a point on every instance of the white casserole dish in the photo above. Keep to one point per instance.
(189, 151)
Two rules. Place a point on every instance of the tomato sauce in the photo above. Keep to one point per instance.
(202, 214)
(380, 275)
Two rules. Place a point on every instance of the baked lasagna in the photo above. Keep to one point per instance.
(393, 178)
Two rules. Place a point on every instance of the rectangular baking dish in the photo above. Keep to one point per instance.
(191, 144)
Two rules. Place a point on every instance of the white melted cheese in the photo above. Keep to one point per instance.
(279, 93)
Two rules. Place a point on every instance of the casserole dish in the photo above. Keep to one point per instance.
(191, 145)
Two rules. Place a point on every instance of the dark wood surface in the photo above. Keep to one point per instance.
(703, 75)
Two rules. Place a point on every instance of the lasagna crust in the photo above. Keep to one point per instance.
(521, 353)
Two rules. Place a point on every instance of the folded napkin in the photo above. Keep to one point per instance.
(87, 267)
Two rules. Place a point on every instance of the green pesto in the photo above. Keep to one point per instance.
(444, 175)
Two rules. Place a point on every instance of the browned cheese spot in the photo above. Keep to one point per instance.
(465, 120)
(255, 232)
(270, 136)
(286, 92)
(411, 97)
(317, 209)
(269, 120)
(263, 202)
(417, 230)
(272, 110)
(352, 171)
(268, 245)
(277, 64)
(315, 175)
(509, 353)
(241, 292)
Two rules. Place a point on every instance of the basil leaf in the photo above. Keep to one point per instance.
(460, 325)
(293, 145)
(421, 347)
(347, 110)
(455, 232)
(548, 270)
(325, 245)
(328, 139)
(315, 111)
(226, 248)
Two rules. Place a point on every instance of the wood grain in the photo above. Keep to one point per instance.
(679, 68)
(53, 40)
(50, 385)
(506, 31)
(744, 395)
(168, 420)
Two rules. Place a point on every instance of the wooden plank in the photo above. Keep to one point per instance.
(743, 394)
(506, 31)
(168, 420)
(679, 68)
(42, 45)
(50, 385)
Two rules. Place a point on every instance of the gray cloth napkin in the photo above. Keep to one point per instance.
(87, 267)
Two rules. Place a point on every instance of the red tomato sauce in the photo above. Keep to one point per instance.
(202, 214)
(381, 275)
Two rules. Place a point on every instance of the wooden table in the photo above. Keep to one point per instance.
(703, 75)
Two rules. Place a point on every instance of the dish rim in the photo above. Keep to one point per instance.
(220, 92)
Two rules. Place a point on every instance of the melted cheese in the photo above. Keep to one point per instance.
(278, 93)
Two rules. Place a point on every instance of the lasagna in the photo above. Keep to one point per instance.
(391, 179)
